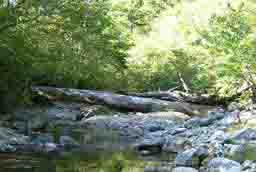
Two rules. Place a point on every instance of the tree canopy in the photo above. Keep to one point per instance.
(132, 45)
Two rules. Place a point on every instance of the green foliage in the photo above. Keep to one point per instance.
(126, 45)
(63, 43)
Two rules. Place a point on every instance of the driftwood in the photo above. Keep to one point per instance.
(201, 99)
(132, 103)
(180, 96)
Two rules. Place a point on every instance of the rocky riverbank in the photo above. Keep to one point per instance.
(216, 141)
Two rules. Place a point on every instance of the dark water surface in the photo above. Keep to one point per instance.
(100, 151)
(78, 161)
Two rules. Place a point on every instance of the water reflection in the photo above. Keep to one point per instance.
(78, 162)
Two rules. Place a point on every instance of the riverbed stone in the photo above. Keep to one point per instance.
(178, 130)
(219, 136)
(158, 169)
(40, 139)
(10, 140)
(233, 106)
(235, 152)
(223, 165)
(192, 123)
(187, 158)
(206, 121)
(249, 166)
(150, 144)
(184, 169)
(245, 135)
(175, 144)
(68, 142)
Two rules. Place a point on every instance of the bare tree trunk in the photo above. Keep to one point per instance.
(183, 83)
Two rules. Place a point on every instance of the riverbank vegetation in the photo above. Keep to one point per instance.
(132, 45)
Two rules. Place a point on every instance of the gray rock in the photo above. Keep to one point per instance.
(206, 121)
(20, 126)
(192, 157)
(68, 142)
(175, 144)
(153, 127)
(158, 169)
(184, 169)
(249, 166)
(187, 158)
(150, 144)
(42, 143)
(235, 152)
(192, 123)
(233, 106)
(216, 149)
(245, 135)
(42, 139)
(219, 136)
(223, 165)
(40, 121)
(216, 115)
(10, 140)
(178, 131)
(50, 147)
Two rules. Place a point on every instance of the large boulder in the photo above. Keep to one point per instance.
(223, 165)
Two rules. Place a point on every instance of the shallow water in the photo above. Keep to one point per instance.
(101, 151)
(80, 162)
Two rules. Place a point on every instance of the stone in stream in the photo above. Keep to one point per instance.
(175, 144)
(42, 143)
(235, 152)
(234, 106)
(68, 142)
(191, 157)
(42, 139)
(10, 140)
(205, 121)
(245, 135)
(178, 131)
(184, 169)
(172, 116)
(217, 115)
(249, 166)
(223, 165)
(192, 123)
(158, 169)
(150, 145)
(154, 127)
(219, 136)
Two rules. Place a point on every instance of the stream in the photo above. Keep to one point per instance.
(52, 138)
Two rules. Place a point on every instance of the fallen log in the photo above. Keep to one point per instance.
(132, 103)
(179, 96)
(201, 99)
